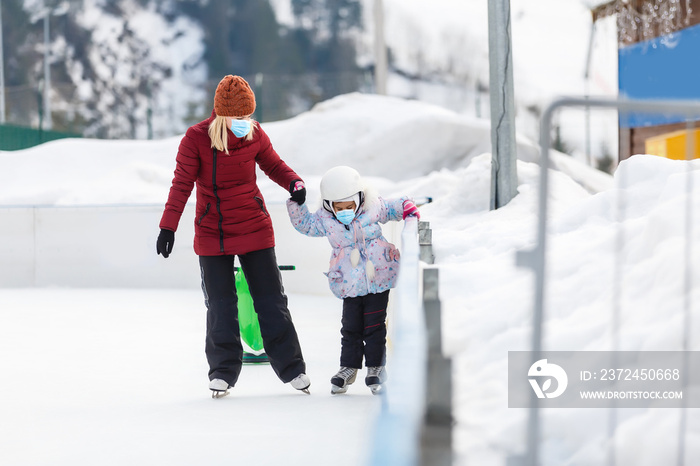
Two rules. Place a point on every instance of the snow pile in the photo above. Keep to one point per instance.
(88, 172)
(386, 136)
(383, 137)
(487, 302)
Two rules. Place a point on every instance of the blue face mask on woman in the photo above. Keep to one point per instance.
(240, 127)
(345, 216)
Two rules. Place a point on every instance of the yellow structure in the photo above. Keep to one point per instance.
(674, 145)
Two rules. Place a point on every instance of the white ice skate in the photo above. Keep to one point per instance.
(302, 382)
(219, 388)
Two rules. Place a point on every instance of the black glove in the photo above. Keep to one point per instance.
(298, 191)
(165, 242)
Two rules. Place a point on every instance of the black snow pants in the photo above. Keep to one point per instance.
(363, 330)
(223, 342)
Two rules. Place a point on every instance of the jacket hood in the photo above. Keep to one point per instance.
(371, 197)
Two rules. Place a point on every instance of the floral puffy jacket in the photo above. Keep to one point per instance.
(373, 267)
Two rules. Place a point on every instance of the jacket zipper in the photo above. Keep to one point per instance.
(261, 204)
(206, 211)
(364, 256)
(218, 206)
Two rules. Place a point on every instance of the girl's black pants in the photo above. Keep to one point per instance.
(363, 331)
(223, 341)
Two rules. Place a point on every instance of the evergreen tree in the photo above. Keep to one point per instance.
(300, 65)
(19, 55)
(329, 26)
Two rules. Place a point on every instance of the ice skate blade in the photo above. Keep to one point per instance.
(219, 393)
(376, 389)
(336, 390)
(305, 389)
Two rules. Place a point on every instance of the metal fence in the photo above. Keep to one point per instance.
(17, 137)
(537, 257)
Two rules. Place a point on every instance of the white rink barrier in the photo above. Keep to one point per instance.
(397, 430)
(115, 246)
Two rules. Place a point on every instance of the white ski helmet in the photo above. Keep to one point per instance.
(339, 184)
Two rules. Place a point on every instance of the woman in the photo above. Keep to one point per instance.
(219, 155)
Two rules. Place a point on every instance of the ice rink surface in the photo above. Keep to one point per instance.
(119, 376)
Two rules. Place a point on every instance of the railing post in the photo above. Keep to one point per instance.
(436, 434)
(425, 241)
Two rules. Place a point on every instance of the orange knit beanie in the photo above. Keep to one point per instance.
(234, 97)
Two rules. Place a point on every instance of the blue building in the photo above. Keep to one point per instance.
(658, 58)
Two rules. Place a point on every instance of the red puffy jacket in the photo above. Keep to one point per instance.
(231, 217)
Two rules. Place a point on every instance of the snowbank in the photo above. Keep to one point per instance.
(488, 303)
(384, 137)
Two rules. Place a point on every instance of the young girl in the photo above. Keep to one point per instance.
(363, 267)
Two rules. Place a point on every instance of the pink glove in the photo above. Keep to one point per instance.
(392, 254)
(297, 190)
(410, 210)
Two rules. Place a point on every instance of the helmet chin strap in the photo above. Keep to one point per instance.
(328, 205)
(358, 198)
(360, 201)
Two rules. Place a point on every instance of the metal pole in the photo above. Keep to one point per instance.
(617, 288)
(587, 80)
(538, 264)
(2, 73)
(504, 178)
(380, 59)
(47, 75)
(259, 79)
(687, 283)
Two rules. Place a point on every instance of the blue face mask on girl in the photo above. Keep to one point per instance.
(240, 127)
(345, 216)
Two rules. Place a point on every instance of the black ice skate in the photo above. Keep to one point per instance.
(376, 376)
(344, 378)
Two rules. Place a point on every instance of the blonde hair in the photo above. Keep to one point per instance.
(219, 135)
